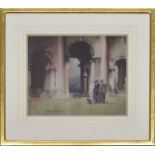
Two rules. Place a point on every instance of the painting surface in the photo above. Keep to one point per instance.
(77, 75)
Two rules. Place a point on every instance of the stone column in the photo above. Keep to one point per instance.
(103, 63)
(92, 72)
(60, 68)
(66, 78)
(92, 78)
(81, 78)
(97, 68)
(52, 82)
(85, 76)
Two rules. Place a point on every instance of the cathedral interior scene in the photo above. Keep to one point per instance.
(77, 75)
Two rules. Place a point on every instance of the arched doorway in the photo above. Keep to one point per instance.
(82, 51)
(121, 64)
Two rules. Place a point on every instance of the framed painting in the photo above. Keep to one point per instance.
(77, 76)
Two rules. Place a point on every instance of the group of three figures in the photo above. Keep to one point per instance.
(98, 92)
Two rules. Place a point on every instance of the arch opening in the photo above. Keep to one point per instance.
(82, 52)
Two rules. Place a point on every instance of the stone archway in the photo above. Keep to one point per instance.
(83, 52)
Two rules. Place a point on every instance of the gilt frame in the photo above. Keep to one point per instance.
(151, 140)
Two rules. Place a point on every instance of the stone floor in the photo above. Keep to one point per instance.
(115, 105)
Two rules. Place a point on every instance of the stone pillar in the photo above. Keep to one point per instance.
(85, 76)
(97, 68)
(52, 82)
(66, 78)
(60, 68)
(92, 72)
(103, 63)
(82, 78)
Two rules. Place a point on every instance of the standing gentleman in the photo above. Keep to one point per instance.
(102, 91)
(96, 91)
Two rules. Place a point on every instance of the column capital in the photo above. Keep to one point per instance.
(96, 59)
